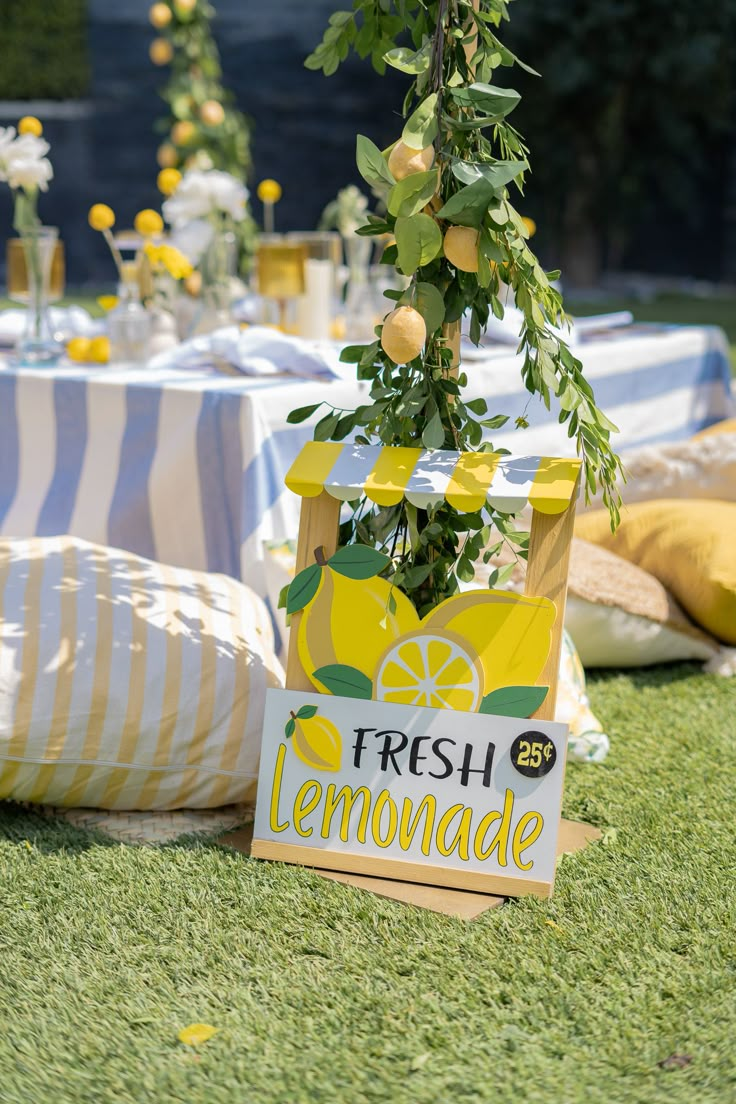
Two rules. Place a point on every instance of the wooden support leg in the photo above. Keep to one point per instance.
(546, 577)
(318, 526)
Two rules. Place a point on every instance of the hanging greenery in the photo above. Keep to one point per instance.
(203, 128)
(448, 183)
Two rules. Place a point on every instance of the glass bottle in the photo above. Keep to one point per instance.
(129, 323)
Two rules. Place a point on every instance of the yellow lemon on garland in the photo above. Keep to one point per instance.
(403, 335)
(161, 51)
(435, 669)
(212, 113)
(404, 161)
(29, 124)
(183, 132)
(509, 633)
(349, 622)
(461, 248)
(315, 740)
(148, 223)
(160, 16)
(167, 156)
(184, 7)
(101, 217)
(531, 226)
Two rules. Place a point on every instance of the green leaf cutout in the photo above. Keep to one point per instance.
(358, 561)
(347, 682)
(372, 165)
(421, 127)
(419, 240)
(514, 701)
(303, 588)
(290, 727)
(412, 193)
(306, 712)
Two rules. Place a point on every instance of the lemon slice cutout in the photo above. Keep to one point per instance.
(432, 669)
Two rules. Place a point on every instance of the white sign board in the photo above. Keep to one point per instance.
(433, 796)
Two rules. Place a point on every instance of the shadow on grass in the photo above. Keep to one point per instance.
(646, 678)
(47, 834)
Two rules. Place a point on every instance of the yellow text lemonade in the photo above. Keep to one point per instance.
(464, 830)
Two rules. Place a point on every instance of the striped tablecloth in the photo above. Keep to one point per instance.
(187, 467)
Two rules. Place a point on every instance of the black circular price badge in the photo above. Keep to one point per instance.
(533, 754)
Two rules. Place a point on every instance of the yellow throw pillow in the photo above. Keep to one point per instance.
(729, 426)
(688, 544)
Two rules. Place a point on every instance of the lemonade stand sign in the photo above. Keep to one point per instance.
(419, 749)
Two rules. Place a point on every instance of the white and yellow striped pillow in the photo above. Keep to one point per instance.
(125, 684)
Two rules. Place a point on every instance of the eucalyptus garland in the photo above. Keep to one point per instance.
(458, 237)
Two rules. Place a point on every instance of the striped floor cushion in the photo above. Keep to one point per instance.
(125, 684)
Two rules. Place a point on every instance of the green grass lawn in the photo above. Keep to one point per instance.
(717, 310)
(323, 993)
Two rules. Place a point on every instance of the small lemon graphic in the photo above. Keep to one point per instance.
(316, 740)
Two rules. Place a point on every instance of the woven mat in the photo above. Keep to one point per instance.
(153, 827)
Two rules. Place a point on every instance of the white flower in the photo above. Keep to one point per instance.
(201, 193)
(193, 239)
(7, 137)
(25, 163)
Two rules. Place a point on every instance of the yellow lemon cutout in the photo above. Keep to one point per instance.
(317, 742)
(510, 633)
(348, 622)
(431, 669)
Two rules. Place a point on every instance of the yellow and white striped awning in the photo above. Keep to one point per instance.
(464, 479)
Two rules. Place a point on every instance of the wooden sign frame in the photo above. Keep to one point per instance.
(547, 577)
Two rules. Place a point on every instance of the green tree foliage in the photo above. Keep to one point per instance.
(623, 122)
(452, 52)
(43, 47)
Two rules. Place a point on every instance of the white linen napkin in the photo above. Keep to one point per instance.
(256, 351)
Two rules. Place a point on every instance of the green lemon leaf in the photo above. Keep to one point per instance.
(306, 712)
(496, 102)
(427, 299)
(495, 173)
(468, 206)
(412, 193)
(372, 164)
(290, 727)
(302, 413)
(418, 240)
(433, 436)
(347, 682)
(407, 61)
(358, 561)
(514, 701)
(303, 588)
(421, 127)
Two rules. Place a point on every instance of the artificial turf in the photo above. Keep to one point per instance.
(323, 993)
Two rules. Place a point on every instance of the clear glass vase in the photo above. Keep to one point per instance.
(37, 346)
(360, 304)
(218, 269)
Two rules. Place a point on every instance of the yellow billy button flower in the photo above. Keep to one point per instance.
(269, 191)
(29, 124)
(148, 223)
(107, 302)
(168, 180)
(161, 51)
(101, 217)
(531, 226)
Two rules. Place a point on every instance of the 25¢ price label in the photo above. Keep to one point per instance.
(533, 754)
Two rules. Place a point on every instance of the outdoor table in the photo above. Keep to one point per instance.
(187, 467)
